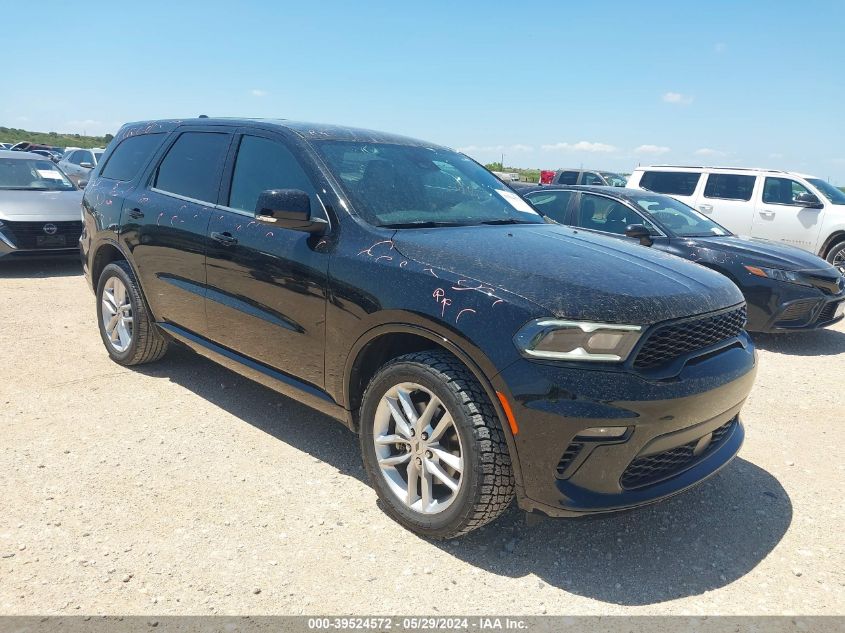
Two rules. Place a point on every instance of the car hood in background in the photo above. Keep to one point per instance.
(756, 252)
(37, 206)
(573, 274)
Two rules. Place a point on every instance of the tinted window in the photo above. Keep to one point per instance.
(191, 167)
(567, 178)
(604, 214)
(679, 183)
(264, 164)
(729, 186)
(551, 203)
(75, 157)
(127, 159)
(86, 157)
(782, 190)
(591, 178)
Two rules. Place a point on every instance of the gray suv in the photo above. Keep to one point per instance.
(78, 163)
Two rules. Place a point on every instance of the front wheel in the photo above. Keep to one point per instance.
(433, 446)
(836, 256)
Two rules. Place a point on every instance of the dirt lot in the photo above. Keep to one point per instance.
(183, 488)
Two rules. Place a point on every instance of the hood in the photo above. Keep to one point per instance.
(38, 206)
(756, 252)
(573, 274)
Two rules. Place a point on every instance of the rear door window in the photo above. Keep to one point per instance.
(551, 203)
(192, 166)
(127, 158)
(567, 178)
(729, 186)
(679, 183)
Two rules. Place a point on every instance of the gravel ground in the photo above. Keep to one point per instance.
(183, 488)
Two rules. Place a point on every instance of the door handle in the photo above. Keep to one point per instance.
(767, 214)
(227, 239)
(705, 208)
(136, 214)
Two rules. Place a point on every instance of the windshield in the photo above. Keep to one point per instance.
(405, 186)
(679, 218)
(614, 180)
(29, 173)
(828, 191)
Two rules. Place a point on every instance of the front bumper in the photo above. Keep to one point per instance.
(678, 430)
(782, 307)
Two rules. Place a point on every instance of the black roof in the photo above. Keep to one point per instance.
(308, 131)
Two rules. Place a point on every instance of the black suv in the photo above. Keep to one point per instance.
(398, 286)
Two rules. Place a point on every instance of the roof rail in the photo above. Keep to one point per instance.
(774, 171)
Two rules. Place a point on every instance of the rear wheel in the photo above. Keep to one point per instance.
(127, 330)
(434, 447)
(836, 256)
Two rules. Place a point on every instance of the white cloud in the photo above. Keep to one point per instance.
(581, 146)
(486, 149)
(654, 150)
(677, 97)
(256, 92)
(708, 151)
(720, 47)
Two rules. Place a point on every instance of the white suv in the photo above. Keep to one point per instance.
(780, 206)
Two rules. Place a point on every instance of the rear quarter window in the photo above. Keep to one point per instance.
(127, 158)
(679, 183)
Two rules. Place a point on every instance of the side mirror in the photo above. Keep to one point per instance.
(639, 232)
(809, 201)
(288, 209)
(87, 165)
(82, 184)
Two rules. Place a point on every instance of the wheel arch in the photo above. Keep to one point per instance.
(832, 240)
(387, 341)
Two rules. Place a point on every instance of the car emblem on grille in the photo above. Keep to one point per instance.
(50, 229)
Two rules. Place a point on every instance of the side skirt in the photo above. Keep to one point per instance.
(289, 386)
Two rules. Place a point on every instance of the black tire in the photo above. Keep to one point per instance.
(837, 250)
(147, 344)
(486, 484)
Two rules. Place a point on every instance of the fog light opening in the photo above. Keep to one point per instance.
(602, 432)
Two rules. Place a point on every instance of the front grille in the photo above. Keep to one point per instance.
(567, 458)
(650, 469)
(827, 312)
(670, 341)
(798, 311)
(25, 235)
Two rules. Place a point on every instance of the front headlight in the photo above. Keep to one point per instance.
(789, 276)
(553, 339)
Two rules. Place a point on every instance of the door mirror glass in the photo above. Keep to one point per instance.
(86, 165)
(808, 200)
(288, 209)
(639, 232)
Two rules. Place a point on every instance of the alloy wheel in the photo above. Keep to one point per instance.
(418, 448)
(839, 260)
(117, 314)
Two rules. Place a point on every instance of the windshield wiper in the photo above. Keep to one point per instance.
(423, 224)
(507, 221)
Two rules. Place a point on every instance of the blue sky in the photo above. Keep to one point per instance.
(549, 84)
